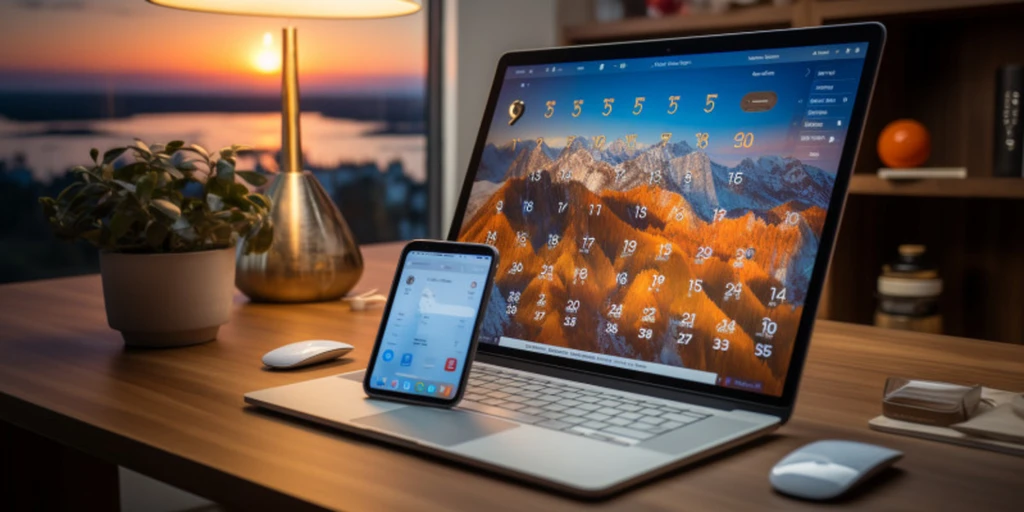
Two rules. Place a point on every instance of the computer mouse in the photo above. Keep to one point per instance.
(827, 469)
(305, 353)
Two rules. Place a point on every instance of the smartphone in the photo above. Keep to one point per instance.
(428, 335)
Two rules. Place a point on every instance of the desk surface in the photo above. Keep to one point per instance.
(178, 414)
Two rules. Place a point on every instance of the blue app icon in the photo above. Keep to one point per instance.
(388, 355)
(382, 381)
(406, 386)
(406, 359)
(431, 388)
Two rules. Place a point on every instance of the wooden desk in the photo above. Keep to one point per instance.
(178, 414)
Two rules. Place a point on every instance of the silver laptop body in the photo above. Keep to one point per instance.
(584, 428)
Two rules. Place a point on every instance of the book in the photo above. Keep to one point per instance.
(1008, 159)
(923, 173)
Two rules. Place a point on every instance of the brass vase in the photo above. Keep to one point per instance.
(314, 256)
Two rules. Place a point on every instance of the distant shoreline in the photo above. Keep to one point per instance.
(398, 111)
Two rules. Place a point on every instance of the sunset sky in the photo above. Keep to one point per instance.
(131, 45)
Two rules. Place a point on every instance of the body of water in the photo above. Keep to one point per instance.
(49, 148)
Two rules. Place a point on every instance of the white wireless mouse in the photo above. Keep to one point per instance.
(826, 469)
(305, 353)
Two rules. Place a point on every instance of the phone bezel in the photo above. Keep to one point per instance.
(442, 248)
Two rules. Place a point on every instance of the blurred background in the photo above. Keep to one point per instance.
(81, 74)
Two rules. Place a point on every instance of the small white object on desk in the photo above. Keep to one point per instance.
(305, 353)
(827, 469)
(365, 300)
(924, 173)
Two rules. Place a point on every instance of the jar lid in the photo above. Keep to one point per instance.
(900, 287)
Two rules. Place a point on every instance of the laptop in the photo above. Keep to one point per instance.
(665, 212)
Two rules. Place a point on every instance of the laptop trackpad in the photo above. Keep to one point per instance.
(445, 427)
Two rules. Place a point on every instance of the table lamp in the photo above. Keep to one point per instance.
(314, 256)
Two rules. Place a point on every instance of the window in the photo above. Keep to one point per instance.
(77, 74)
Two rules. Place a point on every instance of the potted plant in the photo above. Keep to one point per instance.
(166, 219)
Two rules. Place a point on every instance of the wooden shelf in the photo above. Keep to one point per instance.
(1004, 188)
(640, 28)
(865, 9)
(764, 16)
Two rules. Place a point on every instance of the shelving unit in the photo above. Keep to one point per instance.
(939, 68)
(999, 188)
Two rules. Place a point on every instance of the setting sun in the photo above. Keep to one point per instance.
(267, 60)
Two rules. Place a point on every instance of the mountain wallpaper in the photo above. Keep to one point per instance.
(772, 244)
(619, 238)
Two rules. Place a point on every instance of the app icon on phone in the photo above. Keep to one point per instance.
(382, 381)
(406, 386)
(394, 384)
(431, 388)
(406, 359)
(447, 391)
(450, 364)
(388, 355)
(420, 387)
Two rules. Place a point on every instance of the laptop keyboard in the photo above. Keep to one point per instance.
(560, 405)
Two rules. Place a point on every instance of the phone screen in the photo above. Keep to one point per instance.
(431, 322)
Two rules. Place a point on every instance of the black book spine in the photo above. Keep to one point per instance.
(1008, 160)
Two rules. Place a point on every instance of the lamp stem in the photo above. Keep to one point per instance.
(291, 146)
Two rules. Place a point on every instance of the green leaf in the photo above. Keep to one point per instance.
(131, 171)
(235, 148)
(113, 154)
(156, 233)
(145, 186)
(252, 177)
(225, 171)
(217, 187)
(173, 146)
(222, 233)
(92, 236)
(237, 191)
(95, 154)
(120, 223)
(78, 169)
(184, 229)
(199, 149)
(125, 185)
(176, 174)
(187, 166)
(227, 153)
(261, 201)
(67, 191)
(142, 148)
(168, 208)
(260, 241)
(215, 202)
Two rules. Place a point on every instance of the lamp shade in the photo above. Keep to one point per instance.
(326, 9)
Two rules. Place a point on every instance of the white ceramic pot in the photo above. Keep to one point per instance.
(168, 300)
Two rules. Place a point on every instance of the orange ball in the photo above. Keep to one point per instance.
(904, 143)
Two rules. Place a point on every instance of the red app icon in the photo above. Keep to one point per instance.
(449, 365)
(394, 384)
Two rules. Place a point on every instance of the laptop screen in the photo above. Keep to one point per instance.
(663, 214)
